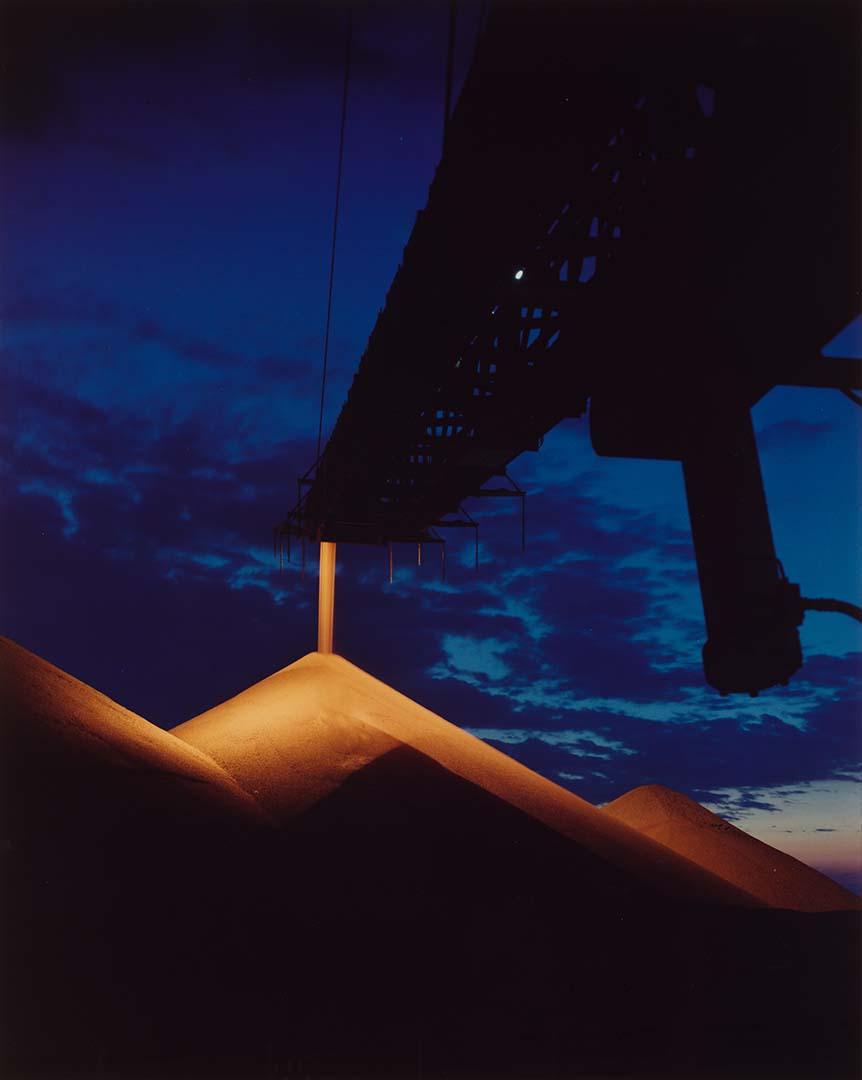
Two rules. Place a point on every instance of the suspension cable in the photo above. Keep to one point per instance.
(344, 93)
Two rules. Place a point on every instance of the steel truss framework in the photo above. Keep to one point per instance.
(650, 209)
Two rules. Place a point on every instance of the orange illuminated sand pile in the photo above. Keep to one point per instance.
(713, 843)
(320, 875)
(67, 739)
(295, 737)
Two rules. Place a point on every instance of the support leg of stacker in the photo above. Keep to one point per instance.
(752, 612)
(326, 598)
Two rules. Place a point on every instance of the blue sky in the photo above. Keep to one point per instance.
(168, 199)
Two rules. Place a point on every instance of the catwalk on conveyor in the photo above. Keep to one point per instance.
(646, 211)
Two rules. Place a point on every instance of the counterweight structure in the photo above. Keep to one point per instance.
(647, 212)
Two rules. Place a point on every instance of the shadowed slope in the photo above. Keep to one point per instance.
(79, 744)
(402, 919)
(295, 737)
(693, 831)
(472, 933)
(108, 823)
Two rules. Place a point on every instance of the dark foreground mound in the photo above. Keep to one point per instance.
(408, 922)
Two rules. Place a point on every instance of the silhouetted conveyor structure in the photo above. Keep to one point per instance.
(650, 209)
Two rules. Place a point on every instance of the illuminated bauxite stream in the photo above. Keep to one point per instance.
(326, 598)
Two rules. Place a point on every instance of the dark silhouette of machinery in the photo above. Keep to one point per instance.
(645, 211)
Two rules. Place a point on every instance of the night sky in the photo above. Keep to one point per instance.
(168, 183)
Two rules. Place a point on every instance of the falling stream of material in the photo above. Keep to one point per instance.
(326, 598)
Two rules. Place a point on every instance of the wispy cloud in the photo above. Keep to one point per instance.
(574, 742)
(792, 432)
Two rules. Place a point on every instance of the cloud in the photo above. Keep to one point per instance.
(93, 379)
(698, 758)
(544, 658)
(155, 432)
(585, 647)
(62, 497)
(575, 742)
(470, 656)
(794, 818)
(197, 351)
(104, 604)
(792, 432)
(132, 490)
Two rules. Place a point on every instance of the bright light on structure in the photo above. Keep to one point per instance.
(519, 274)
